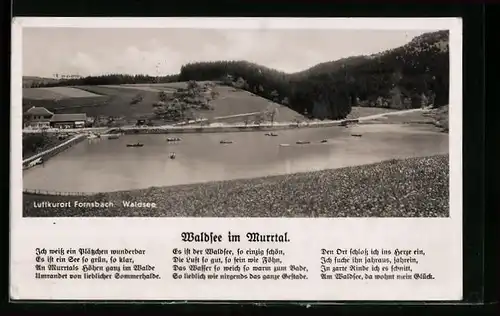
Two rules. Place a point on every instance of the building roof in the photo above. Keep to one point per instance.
(69, 117)
(38, 111)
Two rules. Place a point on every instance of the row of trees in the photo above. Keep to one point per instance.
(416, 70)
(110, 79)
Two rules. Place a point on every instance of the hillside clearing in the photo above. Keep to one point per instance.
(137, 87)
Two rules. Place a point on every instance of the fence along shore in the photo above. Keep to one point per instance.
(59, 193)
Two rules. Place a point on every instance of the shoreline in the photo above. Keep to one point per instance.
(393, 188)
(223, 128)
(48, 153)
(238, 127)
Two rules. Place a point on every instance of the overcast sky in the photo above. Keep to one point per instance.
(85, 51)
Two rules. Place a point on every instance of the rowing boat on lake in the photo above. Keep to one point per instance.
(135, 145)
(173, 139)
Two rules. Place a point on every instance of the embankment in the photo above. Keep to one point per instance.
(414, 187)
(54, 150)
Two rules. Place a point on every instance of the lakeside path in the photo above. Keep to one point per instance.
(221, 126)
(414, 187)
(380, 115)
(47, 151)
(240, 127)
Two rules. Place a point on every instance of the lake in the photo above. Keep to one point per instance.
(102, 165)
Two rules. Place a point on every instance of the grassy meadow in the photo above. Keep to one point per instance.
(121, 101)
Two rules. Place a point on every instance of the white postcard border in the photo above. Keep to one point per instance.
(442, 235)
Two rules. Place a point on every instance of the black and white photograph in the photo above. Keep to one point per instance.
(222, 122)
(255, 159)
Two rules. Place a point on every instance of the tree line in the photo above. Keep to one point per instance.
(108, 79)
(414, 73)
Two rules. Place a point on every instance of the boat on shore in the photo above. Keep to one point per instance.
(35, 162)
(135, 145)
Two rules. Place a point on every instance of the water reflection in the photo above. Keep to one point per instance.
(108, 165)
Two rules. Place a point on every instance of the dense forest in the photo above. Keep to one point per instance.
(409, 76)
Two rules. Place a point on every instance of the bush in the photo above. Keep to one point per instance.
(163, 96)
(214, 94)
(240, 83)
(193, 85)
(35, 143)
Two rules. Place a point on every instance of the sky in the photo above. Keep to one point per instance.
(94, 51)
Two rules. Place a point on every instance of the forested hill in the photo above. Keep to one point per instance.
(399, 78)
(404, 77)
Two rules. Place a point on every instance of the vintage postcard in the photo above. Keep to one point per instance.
(236, 159)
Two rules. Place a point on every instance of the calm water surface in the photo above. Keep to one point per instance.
(108, 165)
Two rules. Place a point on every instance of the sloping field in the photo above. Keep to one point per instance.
(68, 105)
(121, 101)
(56, 93)
(105, 101)
(232, 101)
(62, 99)
(118, 101)
(173, 85)
(157, 87)
(139, 87)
